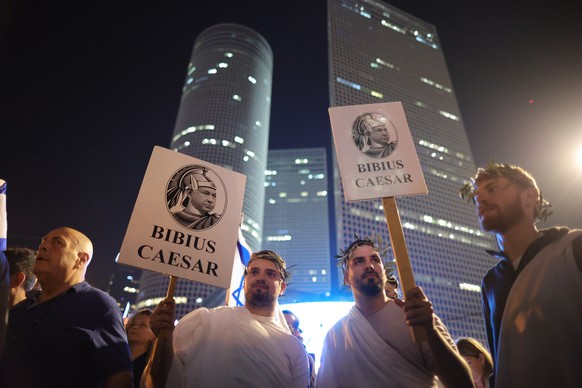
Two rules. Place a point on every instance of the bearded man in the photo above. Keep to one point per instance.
(532, 298)
(248, 346)
(372, 346)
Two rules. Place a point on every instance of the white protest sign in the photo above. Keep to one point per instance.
(185, 220)
(375, 152)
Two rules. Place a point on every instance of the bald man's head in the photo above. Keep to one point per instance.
(63, 257)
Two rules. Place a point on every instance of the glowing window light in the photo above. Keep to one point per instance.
(469, 287)
(314, 279)
(246, 158)
(322, 193)
(189, 81)
(323, 272)
(282, 195)
(270, 172)
(131, 290)
(376, 94)
(239, 139)
(252, 80)
(348, 83)
(186, 143)
(428, 219)
(384, 63)
(393, 27)
(279, 238)
(272, 201)
(228, 54)
(223, 65)
(304, 193)
(198, 300)
(448, 115)
(212, 71)
(156, 301)
(258, 123)
(301, 161)
(236, 97)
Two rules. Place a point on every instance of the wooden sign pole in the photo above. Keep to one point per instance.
(401, 255)
(160, 356)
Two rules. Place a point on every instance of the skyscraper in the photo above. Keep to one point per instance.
(296, 221)
(223, 119)
(378, 53)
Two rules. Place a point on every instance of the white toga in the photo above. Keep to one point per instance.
(230, 347)
(357, 354)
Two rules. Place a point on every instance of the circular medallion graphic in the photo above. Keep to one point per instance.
(196, 197)
(374, 135)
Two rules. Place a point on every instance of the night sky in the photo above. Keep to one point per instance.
(87, 90)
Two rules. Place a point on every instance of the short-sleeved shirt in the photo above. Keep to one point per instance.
(73, 340)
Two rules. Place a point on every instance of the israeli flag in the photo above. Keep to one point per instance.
(4, 278)
(236, 294)
(3, 218)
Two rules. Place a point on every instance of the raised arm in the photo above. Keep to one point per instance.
(162, 324)
(449, 365)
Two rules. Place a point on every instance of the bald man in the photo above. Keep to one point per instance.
(69, 334)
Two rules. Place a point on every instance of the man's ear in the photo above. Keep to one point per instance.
(530, 197)
(17, 279)
(346, 282)
(283, 288)
(82, 259)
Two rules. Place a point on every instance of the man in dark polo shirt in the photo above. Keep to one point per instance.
(69, 334)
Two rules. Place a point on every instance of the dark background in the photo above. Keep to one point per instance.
(88, 88)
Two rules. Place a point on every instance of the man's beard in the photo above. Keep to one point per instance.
(369, 286)
(259, 298)
(504, 219)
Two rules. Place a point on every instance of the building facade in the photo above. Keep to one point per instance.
(223, 119)
(296, 223)
(378, 53)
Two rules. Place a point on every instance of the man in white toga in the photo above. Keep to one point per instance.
(372, 346)
(248, 346)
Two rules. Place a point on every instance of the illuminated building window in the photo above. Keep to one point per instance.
(393, 26)
(348, 83)
(252, 80)
(448, 115)
(212, 71)
(206, 127)
(236, 97)
(384, 63)
(239, 139)
(223, 65)
(301, 161)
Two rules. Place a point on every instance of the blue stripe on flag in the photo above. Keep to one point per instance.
(244, 254)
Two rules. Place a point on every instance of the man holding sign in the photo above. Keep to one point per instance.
(372, 345)
(248, 346)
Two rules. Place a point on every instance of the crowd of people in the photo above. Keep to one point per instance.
(62, 332)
